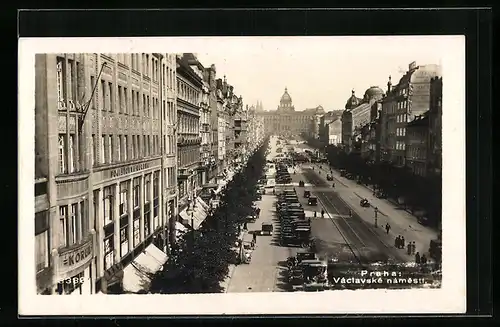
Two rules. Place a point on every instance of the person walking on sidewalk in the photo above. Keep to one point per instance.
(417, 258)
(322, 213)
(397, 242)
(315, 214)
(254, 237)
(387, 228)
(408, 248)
(413, 247)
(423, 259)
(402, 246)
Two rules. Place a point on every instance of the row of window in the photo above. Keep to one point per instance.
(402, 118)
(114, 149)
(134, 60)
(188, 93)
(73, 223)
(106, 100)
(67, 77)
(400, 145)
(401, 131)
(188, 125)
(417, 152)
(188, 156)
(120, 148)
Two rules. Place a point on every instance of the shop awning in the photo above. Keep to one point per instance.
(137, 275)
(196, 217)
(203, 204)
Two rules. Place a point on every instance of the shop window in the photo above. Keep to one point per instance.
(63, 225)
(109, 258)
(136, 192)
(147, 220)
(42, 250)
(123, 198)
(123, 241)
(108, 205)
(147, 188)
(137, 234)
(62, 154)
(156, 180)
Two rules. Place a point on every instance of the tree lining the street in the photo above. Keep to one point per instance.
(417, 191)
(199, 262)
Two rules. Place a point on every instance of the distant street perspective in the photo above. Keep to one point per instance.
(153, 175)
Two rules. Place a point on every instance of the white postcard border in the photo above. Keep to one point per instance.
(451, 298)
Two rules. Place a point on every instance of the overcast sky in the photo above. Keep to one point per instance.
(316, 70)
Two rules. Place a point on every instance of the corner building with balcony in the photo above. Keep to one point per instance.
(99, 148)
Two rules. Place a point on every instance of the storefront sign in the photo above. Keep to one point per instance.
(77, 256)
(129, 169)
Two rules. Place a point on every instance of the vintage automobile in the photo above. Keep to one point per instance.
(267, 229)
(329, 177)
(307, 193)
(315, 274)
(312, 201)
(364, 203)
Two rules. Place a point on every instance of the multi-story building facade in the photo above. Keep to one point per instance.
(189, 91)
(169, 145)
(356, 115)
(435, 126)
(210, 79)
(409, 98)
(99, 169)
(240, 131)
(327, 132)
(287, 122)
(221, 128)
(417, 136)
(205, 133)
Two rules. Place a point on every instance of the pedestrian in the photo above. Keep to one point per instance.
(350, 213)
(245, 227)
(397, 242)
(417, 258)
(314, 214)
(423, 259)
(413, 247)
(309, 220)
(322, 213)
(408, 248)
(254, 237)
(402, 242)
(387, 227)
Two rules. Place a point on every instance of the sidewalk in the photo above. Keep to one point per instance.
(401, 222)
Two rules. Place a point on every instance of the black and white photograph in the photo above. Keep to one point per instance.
(242, 175)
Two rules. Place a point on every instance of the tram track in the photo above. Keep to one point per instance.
(361, 234)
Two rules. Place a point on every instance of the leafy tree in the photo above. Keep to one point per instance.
(199, 262)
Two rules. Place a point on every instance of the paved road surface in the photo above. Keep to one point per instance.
(266, 271)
